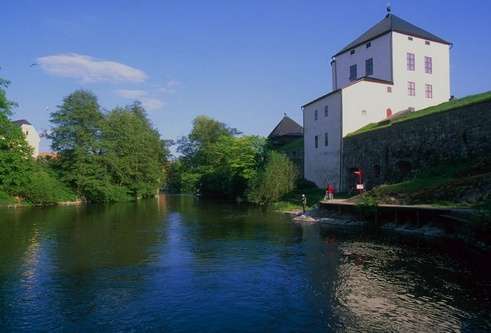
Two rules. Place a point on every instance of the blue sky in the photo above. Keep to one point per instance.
(242, 62)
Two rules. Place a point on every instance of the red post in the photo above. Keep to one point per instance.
(359, 182)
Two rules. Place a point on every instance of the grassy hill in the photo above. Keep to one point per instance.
(443, 107)
(465, 183)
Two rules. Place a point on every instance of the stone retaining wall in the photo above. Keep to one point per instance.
(393, 153)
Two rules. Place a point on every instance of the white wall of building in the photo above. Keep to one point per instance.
(379, 51)
(32, 138)
(322, 164)
(365, 102)
(439, 79)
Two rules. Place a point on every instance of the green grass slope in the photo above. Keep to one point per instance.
(443, 107)
(457, 184)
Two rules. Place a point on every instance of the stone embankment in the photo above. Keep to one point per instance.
(390, 154)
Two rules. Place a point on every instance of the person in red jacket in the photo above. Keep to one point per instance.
(330, 192)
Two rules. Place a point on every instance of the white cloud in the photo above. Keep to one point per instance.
(151, 103)
(169, 87)
(128, 93)
(148, 102)
(89, 69)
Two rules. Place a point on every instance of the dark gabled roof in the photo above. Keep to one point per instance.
(286, 127)
(21, 122)
(388, 24)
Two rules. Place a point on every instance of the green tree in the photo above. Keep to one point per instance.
(215, 161)
(277, 178)
(233, 162)
(205, 131)
(15, 153)
(76, 138)
(133, 152)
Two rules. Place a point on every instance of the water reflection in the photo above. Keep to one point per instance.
(181, 264)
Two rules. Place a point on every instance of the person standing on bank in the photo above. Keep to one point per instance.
(330, 192)
(304, 202)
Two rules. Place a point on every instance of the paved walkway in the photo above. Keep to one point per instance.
(346, 203)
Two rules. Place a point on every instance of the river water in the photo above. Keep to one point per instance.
(177, 264)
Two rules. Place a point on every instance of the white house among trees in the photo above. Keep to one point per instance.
(32, 136)
(392, 67)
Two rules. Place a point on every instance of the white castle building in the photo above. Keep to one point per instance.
(392, 67)
(32, 136)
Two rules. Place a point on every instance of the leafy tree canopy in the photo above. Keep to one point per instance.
(15, 153)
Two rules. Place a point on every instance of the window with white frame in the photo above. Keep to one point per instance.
(326, 111)
(411, 88)
(316, 141)
(411, 61)
(428, 91)
(428, 65)
(316, 115)
(326, 139)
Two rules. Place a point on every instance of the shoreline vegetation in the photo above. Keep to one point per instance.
(117, 155)
(99, 156)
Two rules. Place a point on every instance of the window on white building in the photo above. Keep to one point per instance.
(316, 141)
(369, 66)
(428, 91)
(326, 111)
(411, 62)
(326, 139)
(369, 44)
(427, 42)
(352, 51)
(428, 65)
(389, 89)
(352, 73)
(411, 88)
(410, 38)
(316, 115)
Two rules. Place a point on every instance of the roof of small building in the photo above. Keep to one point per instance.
(286, 127)
(390, 23)
(21, 122)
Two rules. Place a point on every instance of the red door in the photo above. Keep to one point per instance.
(388, 113)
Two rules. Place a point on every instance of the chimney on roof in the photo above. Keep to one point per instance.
(388, 8)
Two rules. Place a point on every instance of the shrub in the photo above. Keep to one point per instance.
(43, 188)
(274, 181)
(5, 198)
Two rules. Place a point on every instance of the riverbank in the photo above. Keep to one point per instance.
(14, 204)
(292, 202)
